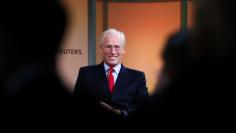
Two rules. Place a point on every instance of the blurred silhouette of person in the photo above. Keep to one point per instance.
(200, 82)
(164, 102)
(128, 86)
(32, 32)
(214, 56)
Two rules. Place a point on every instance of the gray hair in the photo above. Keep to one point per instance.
(113, 32)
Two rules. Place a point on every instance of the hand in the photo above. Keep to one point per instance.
(110, 108)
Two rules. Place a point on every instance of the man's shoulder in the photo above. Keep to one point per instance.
(134, 71)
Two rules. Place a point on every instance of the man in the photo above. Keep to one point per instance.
(114, 87)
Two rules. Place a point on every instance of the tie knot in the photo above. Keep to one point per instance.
(111, 69)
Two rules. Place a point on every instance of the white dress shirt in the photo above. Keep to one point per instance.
(115, 72)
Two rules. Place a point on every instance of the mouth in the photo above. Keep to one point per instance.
(112, 57)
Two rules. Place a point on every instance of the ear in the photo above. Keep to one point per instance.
(123, 51)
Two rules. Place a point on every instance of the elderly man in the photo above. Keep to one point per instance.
(111, 85)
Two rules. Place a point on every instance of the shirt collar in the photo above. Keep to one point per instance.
(116, 68)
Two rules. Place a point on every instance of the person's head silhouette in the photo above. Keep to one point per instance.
(32, 32)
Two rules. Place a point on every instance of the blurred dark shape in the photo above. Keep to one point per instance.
(215, 30)
(31, 92)
(175, 57)
(31, 32)
(214, 48)
(200, 72)
(169, 97)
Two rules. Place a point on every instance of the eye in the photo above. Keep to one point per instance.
(117, 47)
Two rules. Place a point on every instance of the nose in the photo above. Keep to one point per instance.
(113, 50)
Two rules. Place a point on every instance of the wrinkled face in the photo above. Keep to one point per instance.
(112, 50)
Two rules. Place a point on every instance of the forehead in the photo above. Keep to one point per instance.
(112, 40)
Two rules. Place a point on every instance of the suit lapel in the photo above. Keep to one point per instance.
(101, 81)
(121, 82)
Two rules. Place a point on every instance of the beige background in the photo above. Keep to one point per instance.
(76, 37)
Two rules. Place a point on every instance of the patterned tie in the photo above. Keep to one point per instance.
(111, 79)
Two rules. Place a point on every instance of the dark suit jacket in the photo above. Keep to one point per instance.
(130, 87)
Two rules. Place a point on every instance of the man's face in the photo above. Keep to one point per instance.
(112, 50)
